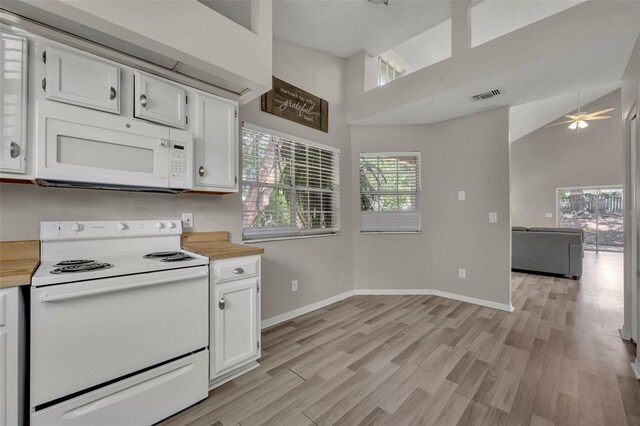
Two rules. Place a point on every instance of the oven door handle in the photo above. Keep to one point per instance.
(76, 295)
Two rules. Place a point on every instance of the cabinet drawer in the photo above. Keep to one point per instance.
(236, 269)
(143, 399)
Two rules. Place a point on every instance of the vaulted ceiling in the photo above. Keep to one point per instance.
(345, 27)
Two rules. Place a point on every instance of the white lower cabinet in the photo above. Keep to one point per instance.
(12, 356)
(235, 319)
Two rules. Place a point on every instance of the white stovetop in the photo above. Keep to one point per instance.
(124, 264)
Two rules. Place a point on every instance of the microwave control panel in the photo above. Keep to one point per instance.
(179, 166)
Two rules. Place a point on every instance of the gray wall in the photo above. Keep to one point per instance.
(322, 266)
(555, 157)
(471, 154)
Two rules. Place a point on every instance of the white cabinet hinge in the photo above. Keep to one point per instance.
(44, 56)
(258, 344)
(186, 99)
(236, 180)
(44, 84)
(258, 286)
(186, 118)
(236, 113)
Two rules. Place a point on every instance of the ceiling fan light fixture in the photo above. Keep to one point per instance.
(380, 2)
(573, 126)
(582, 124)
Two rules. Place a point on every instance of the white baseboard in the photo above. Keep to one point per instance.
(432, 292)
(635, 366)
(269, 322)
(623, 334)
(305, 309)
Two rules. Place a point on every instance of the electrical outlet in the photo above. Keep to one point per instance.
(294, 285)
(493, 217)
(187, 220)
(462, 196)
(462, 273)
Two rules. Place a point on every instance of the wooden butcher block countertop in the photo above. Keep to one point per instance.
(18, 261)
(216, 245)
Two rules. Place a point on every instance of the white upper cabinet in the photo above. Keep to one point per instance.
(13, 105)
(158, 100)
(82, 80)
(216, 137)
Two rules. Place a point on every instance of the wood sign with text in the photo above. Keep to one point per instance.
(287, 101)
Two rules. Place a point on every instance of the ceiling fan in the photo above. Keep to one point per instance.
(579, 120)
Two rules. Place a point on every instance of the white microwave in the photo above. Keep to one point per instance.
(86, 148)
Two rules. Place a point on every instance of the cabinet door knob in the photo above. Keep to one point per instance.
(201, 171)
(221, 304)
(143, 100)
(238, 271)
(14, 150)
(112, 93)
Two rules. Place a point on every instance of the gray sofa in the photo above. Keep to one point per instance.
(548, 250)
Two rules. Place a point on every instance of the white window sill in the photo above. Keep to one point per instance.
(389, 232)
(296, 237)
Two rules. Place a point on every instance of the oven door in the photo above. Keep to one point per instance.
(81, 145)
(88, 333)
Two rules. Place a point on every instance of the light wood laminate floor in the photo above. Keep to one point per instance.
(401, 360)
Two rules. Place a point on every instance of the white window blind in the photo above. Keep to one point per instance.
(387, 72)
(390, 192)
(290, 186)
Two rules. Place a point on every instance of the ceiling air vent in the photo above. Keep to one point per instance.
(487, 95)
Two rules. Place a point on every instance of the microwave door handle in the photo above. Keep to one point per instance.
(88, 293)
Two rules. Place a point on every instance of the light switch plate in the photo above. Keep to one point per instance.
(462, 196)
(493, 217)
(549, 215)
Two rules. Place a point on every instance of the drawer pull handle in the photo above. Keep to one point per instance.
(222, 304)
(238, 271)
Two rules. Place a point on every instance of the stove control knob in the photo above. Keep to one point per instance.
(76, 227)
(158, 225)
(122, 226)
(171, 225)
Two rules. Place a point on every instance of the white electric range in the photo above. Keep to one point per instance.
(119, 324)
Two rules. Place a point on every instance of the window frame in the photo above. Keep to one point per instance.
(392, 73)
(398, 213)
(256, 234)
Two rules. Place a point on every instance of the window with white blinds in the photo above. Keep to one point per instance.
(290, 186)
(390, 192)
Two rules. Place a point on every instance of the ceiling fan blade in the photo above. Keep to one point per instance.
(600, 117)
(600, 112)
(562, 122)
(574, 117)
